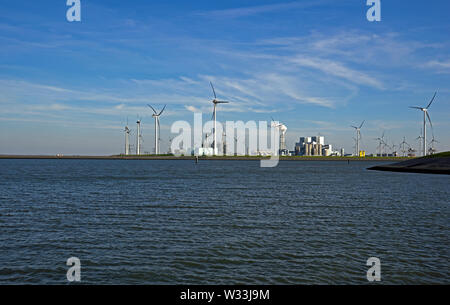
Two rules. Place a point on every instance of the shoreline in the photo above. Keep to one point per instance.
(437, 164)
(193, 158)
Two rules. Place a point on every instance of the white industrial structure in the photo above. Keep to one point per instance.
(425, 116)
(314, 146)
(156, 116)
(203, 151)
(215, 101)
(358, 137)
(282, 130)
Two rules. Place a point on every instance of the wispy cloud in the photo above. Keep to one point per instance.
(261, 9)
(339, 70)
(438, 66)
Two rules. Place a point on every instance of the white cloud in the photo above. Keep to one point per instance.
(338, 69)
(439, 66)
(260, 9)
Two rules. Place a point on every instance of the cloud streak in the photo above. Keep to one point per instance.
(261, 9)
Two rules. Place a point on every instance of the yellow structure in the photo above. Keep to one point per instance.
(362, 153)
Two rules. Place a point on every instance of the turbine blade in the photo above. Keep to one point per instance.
(420, 108)
(214, 91)
(361, 124)
(152, 108)
(429, 119)
(431, 100)
(159, 130)
(222, 102)
(162, 110)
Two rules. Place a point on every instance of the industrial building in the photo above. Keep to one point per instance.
(314, 146)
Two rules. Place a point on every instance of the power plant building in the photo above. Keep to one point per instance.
(310, 146)
(314, 146)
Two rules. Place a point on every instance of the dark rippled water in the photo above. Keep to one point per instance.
(220, 222)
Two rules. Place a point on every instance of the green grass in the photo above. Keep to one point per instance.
(439, 155)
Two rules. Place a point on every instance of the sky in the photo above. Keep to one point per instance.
(316, 66)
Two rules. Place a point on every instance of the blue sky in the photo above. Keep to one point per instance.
(317, 66)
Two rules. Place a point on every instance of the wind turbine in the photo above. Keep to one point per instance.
(127, 140)
(215, 101)
(432, 148)
(156, 115)
(386, 145)
(420, 139)
(138, 137)
(402, 145)
(394, 151)
(358, 136)
(425, 116)
(380, 144)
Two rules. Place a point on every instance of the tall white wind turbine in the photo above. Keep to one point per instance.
(127, 140)
(425, 116)
(358, 137)
(138, 137)
(156, 116)
(215, 101)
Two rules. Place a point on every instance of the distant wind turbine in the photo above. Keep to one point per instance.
(138, 137)
(425, 116)
(432, 148)
(380, 144)
(156, 116)
(358, 136)
(215, 101)
(402, 145)
(127, 139)
(420, 139)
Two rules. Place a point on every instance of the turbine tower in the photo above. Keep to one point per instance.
(358, 137)
(156, 115)
(138, 138)
(425, 116)
(420, 139)
(127, 140)
(215, 101)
